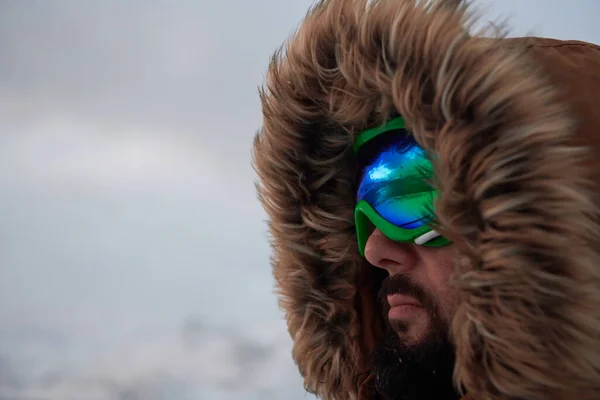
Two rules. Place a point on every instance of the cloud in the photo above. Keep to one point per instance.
(194, 67)
(197, 361)
(64, 153)
(544, 18)
(105, 59)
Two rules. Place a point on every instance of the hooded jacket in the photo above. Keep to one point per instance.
(515, 125)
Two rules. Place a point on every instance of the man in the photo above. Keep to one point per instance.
(432, 197)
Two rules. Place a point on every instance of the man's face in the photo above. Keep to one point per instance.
(416, 298)
(415, 359)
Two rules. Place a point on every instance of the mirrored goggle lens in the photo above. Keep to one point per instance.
(394, 176)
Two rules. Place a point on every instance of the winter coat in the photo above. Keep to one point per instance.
(515, 125)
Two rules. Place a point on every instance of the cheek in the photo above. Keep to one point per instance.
(440, 273)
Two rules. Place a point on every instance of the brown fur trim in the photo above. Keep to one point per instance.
(514, 196)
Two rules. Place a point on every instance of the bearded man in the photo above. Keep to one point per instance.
(432, 196)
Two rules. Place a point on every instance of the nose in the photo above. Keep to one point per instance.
(383, 252)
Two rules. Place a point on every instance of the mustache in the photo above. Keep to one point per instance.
(402, 284)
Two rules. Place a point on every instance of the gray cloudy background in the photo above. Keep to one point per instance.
(133, 254)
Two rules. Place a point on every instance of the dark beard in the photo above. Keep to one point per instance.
(421, 371)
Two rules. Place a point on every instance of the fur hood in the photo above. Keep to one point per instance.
(515, 125)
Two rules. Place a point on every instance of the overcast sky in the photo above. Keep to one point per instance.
(133, 254)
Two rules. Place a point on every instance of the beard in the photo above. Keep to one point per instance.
(419, 370)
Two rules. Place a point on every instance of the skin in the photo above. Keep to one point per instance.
(428, 267)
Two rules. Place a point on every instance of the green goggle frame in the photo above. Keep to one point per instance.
(366, 216)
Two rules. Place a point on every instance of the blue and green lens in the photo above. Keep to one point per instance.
(394, 191)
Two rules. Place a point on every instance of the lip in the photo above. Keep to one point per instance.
(399, 300)
(402, 307)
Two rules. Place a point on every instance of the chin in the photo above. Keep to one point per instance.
(415, 361)
(413, 332)
(415, 337)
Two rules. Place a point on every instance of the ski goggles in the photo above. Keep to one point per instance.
(394, 191)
